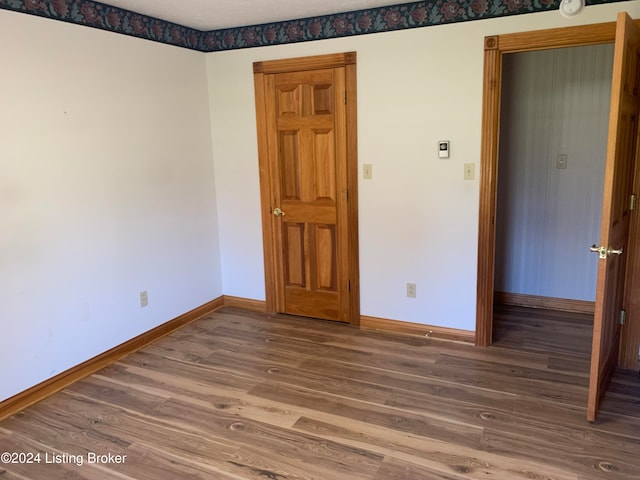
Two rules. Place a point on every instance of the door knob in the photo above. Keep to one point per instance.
(277, 212)
(604, 252)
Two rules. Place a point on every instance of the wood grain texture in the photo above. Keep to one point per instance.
(307, 147)
(240, 394)
(245, 303)
(314, 62)
(488, 193)
(68, 377)
(353, 283)
(265, 190)
(558, 37)
(549, 303)
(629, 348)
(614, 233)
(593, 34)
(562, 335)
(410, 328)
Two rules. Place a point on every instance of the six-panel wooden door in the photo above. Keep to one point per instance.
(305, 169)
(614, 233)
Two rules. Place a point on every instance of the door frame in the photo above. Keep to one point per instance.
(348, 227)
(494, 49)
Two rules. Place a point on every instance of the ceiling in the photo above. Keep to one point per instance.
(217, 14)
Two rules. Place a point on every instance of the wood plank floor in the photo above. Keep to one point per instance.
(240, 395)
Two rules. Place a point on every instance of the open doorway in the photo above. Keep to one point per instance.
(554, 117)
(618, 246)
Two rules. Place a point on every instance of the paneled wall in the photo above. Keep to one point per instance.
(555, 107)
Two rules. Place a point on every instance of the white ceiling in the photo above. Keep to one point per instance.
(216, 14)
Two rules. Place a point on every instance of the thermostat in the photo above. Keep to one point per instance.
(443, 149)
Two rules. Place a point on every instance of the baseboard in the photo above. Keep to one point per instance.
(550, 303)
(39, 392)
(245, 303)
(373, 323)
(397, 326)
(43, 390)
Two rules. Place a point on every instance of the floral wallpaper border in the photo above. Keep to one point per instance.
(374, 20)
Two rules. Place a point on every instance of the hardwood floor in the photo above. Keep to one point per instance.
(567, 335)
(241, 395)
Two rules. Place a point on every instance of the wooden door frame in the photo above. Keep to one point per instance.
(348, 229)
(630, 331)
(494, 49)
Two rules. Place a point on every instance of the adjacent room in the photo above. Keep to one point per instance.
(311, 240)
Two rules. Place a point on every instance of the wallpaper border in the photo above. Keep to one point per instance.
(360, 22)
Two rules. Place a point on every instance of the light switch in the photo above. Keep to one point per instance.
(367, 171)
(561, 161)
(443, 149)
(469, 171)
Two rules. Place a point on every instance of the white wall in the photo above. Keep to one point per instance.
(106, 189)
(418, 217)
(553, 102)
(107, 186)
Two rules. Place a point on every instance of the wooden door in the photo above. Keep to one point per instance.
(621, 151)
(306, 130)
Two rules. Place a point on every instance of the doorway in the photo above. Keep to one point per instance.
(611, 295)
(307, 147)
(552, 150)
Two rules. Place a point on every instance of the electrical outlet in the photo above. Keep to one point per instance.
(411, 290)
(144, 299)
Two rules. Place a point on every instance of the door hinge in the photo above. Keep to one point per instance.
(623, 317)
(345, 97)
(632, 201)
(349, 285)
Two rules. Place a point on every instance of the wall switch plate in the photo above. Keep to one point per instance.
(469, 171)
(443, 149)
(411, 290)
(367, 171)
(144, 299)
(561, 161)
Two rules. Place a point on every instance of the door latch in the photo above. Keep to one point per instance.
(603, 252)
